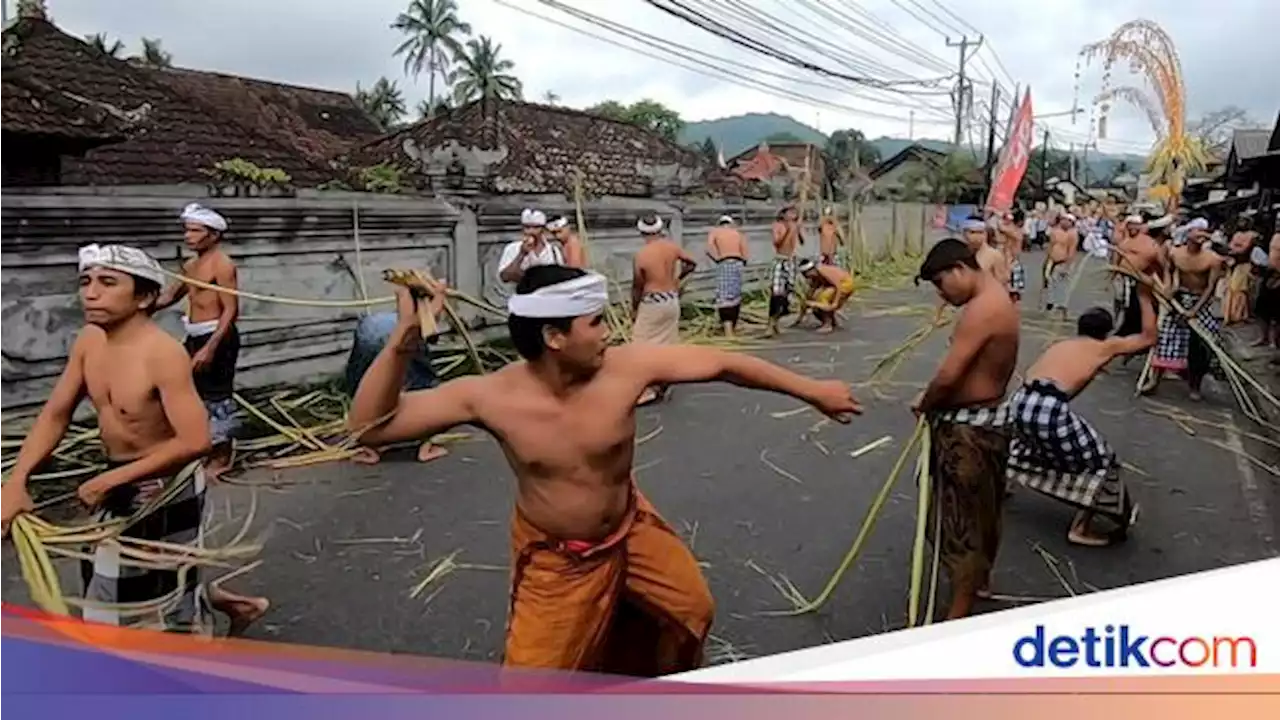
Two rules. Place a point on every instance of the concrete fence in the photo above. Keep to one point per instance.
(318, 246)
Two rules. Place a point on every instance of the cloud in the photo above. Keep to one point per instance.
(1225, 49)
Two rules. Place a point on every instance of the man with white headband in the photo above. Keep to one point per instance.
(787, 237)
(587, 547)
(1064, 243)
(572, 247)
(829, 237)
(1179, 349)
(990, 260)
(213, 342)
(1138, 252)
(727, 248)
(530, 250)
(154, 432)
(657, 271)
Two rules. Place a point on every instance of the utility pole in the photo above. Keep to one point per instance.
(1044, 166)
(911, 125)
(962, 84)
(991, 135)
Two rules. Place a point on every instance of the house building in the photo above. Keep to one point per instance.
(782, 167)
(909, 175)
(511, 147)
(193, 119)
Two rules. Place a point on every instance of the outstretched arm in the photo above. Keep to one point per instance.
(677, 364)
(1131, 344)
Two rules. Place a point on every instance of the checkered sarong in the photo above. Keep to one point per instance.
(109, 583)
(729, 282)
(1058, 284)
(1017, 277)
(782, 281)
(986, 417)
(1173, 345)
(1057, 453)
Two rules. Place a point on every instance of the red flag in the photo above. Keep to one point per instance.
(1013, 159)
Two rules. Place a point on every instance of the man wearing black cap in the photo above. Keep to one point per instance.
(963, 404)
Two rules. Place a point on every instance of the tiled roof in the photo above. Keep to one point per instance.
(1248, 144)
(32, 108)
(540, 147)
(188, 128)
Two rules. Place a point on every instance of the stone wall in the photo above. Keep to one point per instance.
(309, 247)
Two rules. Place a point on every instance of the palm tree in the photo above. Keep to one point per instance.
(550, 97)
(426, 110)
(384, 102)
(432, 27)
(483, 75)
(154, 55)
(98, 41)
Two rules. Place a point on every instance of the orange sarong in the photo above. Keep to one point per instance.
(635, 603)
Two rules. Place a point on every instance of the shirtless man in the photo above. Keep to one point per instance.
(829, 237)
(1058, 453)
(1195, 272)
(1235, 305)
(989, 259)
(1013, 239)
(786, 238)
(830, 287)
(962, 403)
(1064, 243)
(212, 338)
(727, 248)
(154, 431)
(658, 269)
(575, 251)
(1140, 253)
(586, 543)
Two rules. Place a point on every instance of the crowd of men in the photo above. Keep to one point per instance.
(599, 580)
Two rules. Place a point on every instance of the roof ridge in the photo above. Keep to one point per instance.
(255, 80)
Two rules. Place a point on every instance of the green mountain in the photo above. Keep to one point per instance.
(742, 132)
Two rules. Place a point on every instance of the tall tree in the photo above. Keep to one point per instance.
(844, 147)
(154, 55)
(384, 102)
(648, 114)
(1215, 129)
(99, 42)
(433, 44)
(483, 74)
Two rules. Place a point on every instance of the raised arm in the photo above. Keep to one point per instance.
(49, 428)
(509, 270)
(406, 416)
(680, 364)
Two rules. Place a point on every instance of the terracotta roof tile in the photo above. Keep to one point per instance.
(184, 134)
(543, 146)
(32, 108)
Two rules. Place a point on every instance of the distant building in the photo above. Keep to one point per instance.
(518, 147)
(783, 166)
(192, 120)
(907, 176)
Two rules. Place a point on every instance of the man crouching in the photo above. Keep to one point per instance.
(154, 430)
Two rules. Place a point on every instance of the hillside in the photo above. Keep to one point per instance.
(736, 134)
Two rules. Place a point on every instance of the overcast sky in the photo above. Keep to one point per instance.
(1227, 48)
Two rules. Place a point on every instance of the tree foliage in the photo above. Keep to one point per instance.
(945, 182)
(432, 44)
(483, 74)
(648, 114)
(1214, 129)
(105, 45)
(384, 102)
(155, 55)
(1042, 166)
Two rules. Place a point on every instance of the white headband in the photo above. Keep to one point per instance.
(653, 229)
(586, 295)
(122, 258)
(1135, 219)
(1163, 222)
(558, 224)
(724, 220)
(974, 225)
(201, 215)
(1198, 224)
(532, 218)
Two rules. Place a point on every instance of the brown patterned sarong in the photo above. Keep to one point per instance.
(967, 463)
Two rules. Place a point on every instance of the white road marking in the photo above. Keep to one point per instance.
(1254, 497)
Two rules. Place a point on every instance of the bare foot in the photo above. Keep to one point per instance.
(826, 330)
(1080, 536)
(428, 452)
(366, 456)
(243, 611)
(1196, 396)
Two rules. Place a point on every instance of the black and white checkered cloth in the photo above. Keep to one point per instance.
(1017, 277)
(1173, 344)
(986, 417)
(783, 278)
(111, 586)
(729, 282)
(1056, 452)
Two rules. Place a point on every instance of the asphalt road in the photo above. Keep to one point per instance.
(347, 543)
